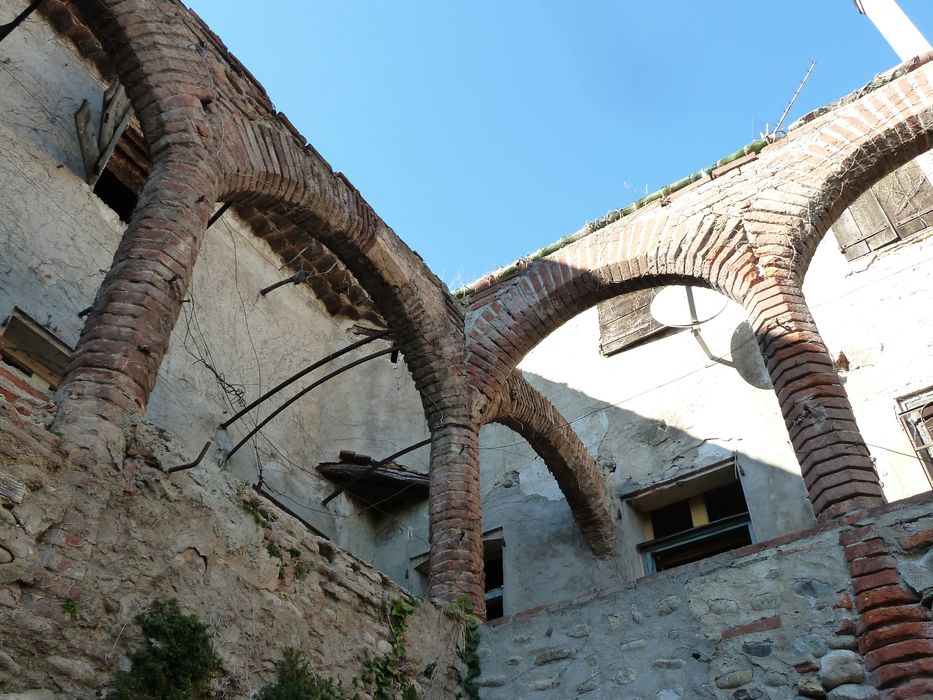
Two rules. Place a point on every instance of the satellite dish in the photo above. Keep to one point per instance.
(687, 307)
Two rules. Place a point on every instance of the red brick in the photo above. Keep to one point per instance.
(919, 689)
(881, 617)
(899, 651)
(765, 623)
(917, 540)
(865, 549)
(882, 578)
(886, 595)
(858, 534)
(872, 641)
(871, 565)
(894, 674)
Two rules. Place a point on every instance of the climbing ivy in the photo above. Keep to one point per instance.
(462, 611)
(384, 677)
(176, 662)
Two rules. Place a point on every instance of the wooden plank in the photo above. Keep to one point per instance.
(627, 320)
(849, 237)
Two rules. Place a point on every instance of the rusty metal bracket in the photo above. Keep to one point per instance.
(191, 465)
(340, 370)
(297, 278)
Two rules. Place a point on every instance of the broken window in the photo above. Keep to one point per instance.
(112, 192)
(33, 350)
(494, 590)
(693, 517)
(916, 414)
(115, 155)
(896, 207)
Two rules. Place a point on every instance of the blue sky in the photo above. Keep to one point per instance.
(481, 131)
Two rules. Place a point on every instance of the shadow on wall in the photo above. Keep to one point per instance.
(545, 558)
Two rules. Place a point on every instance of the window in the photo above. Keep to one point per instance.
(916, 414)
(692, 518)
(33, 350)
(897, 206)
(494, 591)
(112, 192)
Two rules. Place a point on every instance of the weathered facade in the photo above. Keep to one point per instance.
(167, 323)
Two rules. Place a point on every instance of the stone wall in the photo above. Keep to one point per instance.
(83, 552)
(834, 612)
(226, 329)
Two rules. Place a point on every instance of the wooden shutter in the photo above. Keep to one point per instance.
(627, 320)
(897, 206)
(907, 198)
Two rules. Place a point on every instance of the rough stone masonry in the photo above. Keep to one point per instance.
(748, 231)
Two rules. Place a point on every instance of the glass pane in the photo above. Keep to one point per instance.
(671, 519)
(725, 501)
(707, 547)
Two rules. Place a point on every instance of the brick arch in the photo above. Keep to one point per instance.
(749, 233)
(214, 136)
(426, 323)
(521, 408)
(760, 219)
(126, 335)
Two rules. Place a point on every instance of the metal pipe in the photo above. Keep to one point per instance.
(301, 393)
(7, 29)
(217, 214)
(196, 462)
(297, 278)
(295, 377)
(265, 494)
(355, 480)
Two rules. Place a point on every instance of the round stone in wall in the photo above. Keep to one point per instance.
(841, 667)
(852, 692)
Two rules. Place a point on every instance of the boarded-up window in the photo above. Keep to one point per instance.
(897, 206)
(627, 320)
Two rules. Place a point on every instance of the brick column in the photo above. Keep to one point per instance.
(834, 461)
(455, 517)
(895, 631)
(126, 335)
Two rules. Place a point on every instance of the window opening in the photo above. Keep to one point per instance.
(693, 517)
(896, 207)
(33, 350)
(494, 590)
(916, 415)
(112, 192)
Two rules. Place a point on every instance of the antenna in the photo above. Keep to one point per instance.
(794, 98)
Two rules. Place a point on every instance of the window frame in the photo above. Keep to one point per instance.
(919, 433)
(692, 487)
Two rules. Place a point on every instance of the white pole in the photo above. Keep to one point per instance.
(895, 27)
(906, 40)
